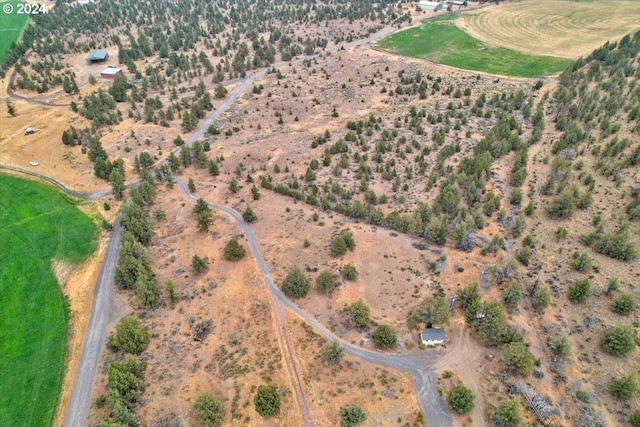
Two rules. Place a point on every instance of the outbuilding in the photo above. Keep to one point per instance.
(111, 72)
(430, 5)
(457, 2)
(98, 55)
(432, 336)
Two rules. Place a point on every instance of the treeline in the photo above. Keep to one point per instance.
(597, 109)
(133, 271)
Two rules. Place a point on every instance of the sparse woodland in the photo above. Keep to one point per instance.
(541, 180)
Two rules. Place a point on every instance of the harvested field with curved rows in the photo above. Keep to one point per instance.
(566, 29)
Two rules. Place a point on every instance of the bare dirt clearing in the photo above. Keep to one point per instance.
(565, 29)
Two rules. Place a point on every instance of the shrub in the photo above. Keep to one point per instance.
(383, 337)
(351, 415)
(541, 297)
(437, 232)
(130, 336)
(580, 261)
(616, 246)
(624, 304)
(579, 291)
(619, 340)
(198, 264)
(511, 295)
(332, 353)
(524, 256)
(507, 413)
(341, 243)
(358, 314)
(325, 282)
(460, 399)
(515, 356)
(267, 401)
(563, 205)
(583, 396)
(634, 418)
(529, 209)
(560, 346)
(624, 387)
(468, 297)
(349, 272)
(516, 196)
(233, 250)
(561, 233)
(208, 410)
(295, 285)
(248, 215)
(172, 295)
(338, 246)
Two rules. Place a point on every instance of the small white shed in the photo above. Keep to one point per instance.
(432, 336)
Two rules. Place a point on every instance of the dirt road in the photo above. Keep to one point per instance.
(420, 367)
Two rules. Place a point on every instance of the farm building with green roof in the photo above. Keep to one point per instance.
(430, 5)
(99, 55)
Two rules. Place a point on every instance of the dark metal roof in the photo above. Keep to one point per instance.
(97, 55)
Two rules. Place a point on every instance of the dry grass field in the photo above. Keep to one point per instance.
(567, 29)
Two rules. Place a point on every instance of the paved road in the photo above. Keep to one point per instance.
(418, 366)
(95, 337)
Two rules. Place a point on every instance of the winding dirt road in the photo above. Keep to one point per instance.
(418, 366)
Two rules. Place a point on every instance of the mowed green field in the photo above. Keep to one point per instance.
(37, 224)
(11, 26)
(442, 42)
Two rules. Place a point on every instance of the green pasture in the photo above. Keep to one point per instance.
(37, 224)
(442, 42)
(11, 26)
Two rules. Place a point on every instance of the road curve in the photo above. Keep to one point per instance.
(60, 186)
(418, 366)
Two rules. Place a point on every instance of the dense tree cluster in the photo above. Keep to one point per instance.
(133, 269)
(432, 310)
(125, 386)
